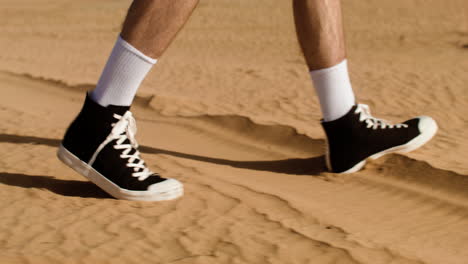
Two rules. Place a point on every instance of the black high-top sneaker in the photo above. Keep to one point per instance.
(100, 145)
(358, 136)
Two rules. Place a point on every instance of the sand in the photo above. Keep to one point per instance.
(229, 110)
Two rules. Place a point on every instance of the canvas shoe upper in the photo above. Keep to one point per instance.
(100, 144)
(358, 135)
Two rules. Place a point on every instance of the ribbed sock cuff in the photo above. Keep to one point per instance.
(123, 74)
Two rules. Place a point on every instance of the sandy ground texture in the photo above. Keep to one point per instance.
(229, 110)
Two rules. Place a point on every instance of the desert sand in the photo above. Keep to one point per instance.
(230, 111)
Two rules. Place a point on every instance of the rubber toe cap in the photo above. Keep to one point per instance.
(168, 185)
(427, 125)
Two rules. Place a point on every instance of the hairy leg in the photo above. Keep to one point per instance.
(149, 28)
(320, 32)
(151, 25)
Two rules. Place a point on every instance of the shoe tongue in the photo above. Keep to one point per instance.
(118, 109)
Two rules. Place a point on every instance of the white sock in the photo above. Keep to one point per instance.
(123, 74)
(334, 90)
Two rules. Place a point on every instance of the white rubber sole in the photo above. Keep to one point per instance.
(167, 190)
(427, 125)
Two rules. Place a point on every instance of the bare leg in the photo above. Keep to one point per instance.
(320, 32)
(149, 28)
(353, 135)
(100, 142)
(151, 25)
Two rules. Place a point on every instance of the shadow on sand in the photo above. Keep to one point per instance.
(307, 166)
(70, 188)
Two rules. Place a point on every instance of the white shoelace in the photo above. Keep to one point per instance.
(124, 129)
(372, 122)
